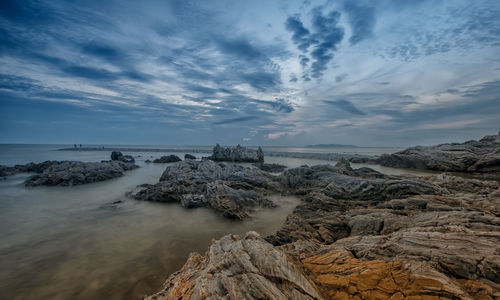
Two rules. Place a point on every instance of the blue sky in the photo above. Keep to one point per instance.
(370, 73)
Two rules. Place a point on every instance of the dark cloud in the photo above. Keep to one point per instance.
(323, 40)
(103, 51)
(345, 106)
(362, 20)
(262, 81)
(240, 48)
(279, 105)
(301, 36)
(235, 120)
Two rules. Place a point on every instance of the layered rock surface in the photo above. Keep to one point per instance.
(66, 173)
(360, 235)
(230, 189)
(481, 156)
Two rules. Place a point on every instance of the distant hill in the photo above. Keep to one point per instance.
(330, 145)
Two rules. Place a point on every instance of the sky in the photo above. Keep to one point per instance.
(369, 73)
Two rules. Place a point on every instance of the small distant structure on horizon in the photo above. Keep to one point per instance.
(75, 146)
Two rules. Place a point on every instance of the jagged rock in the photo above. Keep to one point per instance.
(231, 189)
(471, 156)
(75, 173)
(189, 156)
(117, 155)
(167, 159)
(235, 268)
(237, 154)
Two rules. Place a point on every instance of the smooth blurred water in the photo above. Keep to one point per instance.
(76, 242)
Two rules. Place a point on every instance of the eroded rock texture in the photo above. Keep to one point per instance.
(481, 156)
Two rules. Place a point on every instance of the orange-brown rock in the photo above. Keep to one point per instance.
(342, 276)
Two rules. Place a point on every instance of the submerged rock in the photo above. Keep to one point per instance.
(189, 156)
(481, 156)
(118, 156)
(237, 154)
(273, 168)
(75, 173)
(167, 159)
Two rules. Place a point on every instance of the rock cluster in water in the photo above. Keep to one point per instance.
(67, 173)
(237, 154)
(358, 234)
(231, 189)
(481, 156)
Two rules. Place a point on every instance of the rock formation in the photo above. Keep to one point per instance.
(230, 189)
(360, 234)
(75, 173)
(117, 155)
(237, 154)
(189, 156)
(481, 156)
(167, 159)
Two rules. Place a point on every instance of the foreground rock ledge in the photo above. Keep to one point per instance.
(235, 268)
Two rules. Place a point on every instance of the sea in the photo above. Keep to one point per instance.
(93, 242)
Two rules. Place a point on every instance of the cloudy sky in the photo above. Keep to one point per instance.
(370, 73)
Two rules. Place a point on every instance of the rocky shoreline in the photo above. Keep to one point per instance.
(69, 173)
(357, 234)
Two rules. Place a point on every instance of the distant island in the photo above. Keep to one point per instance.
(331, 145)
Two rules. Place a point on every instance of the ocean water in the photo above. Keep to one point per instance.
(92, 242)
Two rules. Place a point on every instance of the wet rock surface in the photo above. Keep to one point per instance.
(272, 168)
(363, 235)
(167, 159)
(66, 173)
(118, 156)
(481, 156)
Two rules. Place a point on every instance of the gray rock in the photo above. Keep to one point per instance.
(75, 173)
(189, 156)
(167, 159)
(472, 156)
(237, 154)
(239, 268)
(273, 168)
(118, 156)
(232, 190)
